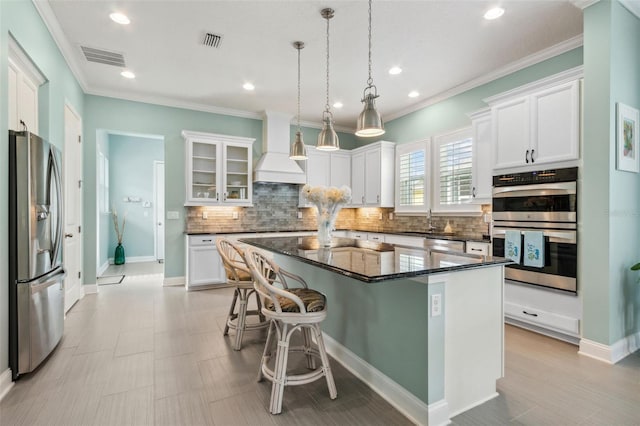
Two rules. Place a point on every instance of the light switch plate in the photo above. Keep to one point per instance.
(436, 305)
(234, 215)
(173, 215)
(299, 215)
(205, 214)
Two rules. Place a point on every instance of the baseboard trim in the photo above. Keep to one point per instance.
(90, 288)
(475, 404)
(136, 259)
(173, 281)
(5, 383)
(404, 401)
(103, 268)
(610, 354)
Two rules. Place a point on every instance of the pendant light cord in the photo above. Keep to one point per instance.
(370, 80)
(326, 106)
(299, 48)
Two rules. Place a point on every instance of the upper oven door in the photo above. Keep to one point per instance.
(548, 202)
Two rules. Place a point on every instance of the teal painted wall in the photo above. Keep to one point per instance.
(610, 207)
(451, 114)
(131, 174)
(22, 20)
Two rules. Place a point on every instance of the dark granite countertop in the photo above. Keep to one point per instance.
(370, 261)
(431, 235)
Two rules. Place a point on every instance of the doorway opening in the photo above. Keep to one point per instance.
(130, 206)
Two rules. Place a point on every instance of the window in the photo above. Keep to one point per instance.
(453, 166)
(412, 195)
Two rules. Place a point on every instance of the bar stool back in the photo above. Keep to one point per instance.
(289, 309)
(238, 275)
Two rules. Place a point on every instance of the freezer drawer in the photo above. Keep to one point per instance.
(40, 319)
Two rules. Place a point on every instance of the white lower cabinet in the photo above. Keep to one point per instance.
(404, 240)
(475, 247)
(548, 312)
(204, 265)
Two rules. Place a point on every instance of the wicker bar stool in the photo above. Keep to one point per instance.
(238, 275)
(289, 309)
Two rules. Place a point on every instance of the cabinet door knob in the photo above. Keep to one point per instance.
(532, 160)
(378, 198)
(217, 196)
(526, 157)
(363, 199)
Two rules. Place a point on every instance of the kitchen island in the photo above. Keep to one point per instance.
(422, 328)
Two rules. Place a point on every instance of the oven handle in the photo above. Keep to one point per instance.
(555, 236)
(558, 188)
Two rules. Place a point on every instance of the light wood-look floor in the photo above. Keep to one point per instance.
(140, 354)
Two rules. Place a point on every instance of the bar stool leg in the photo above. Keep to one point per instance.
(308, 342)
(333, 392)
(259, 303)
(242, 317)
(230, 316)
(266, 354)
(280, 372)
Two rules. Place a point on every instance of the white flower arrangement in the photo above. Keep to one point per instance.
(328, 201)
(116, 224)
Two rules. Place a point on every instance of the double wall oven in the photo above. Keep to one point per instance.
(543, 201)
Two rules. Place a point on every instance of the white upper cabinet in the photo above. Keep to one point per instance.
(24, 79)
(218, 169)
(482, 159)
(539, 125)
(325, 168)
(372, 175)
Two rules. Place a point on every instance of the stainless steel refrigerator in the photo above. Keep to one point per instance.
(36, 274)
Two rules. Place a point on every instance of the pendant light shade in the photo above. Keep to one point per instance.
(328, 138)
(369, 121)
(298, 151)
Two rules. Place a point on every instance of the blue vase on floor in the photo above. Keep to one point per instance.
(118, 257)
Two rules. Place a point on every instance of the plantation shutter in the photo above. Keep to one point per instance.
(412, 178)
(455, 160)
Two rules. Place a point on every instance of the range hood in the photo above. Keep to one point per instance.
(275, 164)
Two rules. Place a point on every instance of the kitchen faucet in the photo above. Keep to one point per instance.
(431, 227)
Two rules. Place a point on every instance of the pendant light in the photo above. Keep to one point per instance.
(369, 121)
(298, 150)
(327, 139)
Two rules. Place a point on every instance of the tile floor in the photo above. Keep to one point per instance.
(140, 354)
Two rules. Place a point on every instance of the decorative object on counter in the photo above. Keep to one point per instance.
(328, 138)
(328, 201)
(298, 150)
(627, 139)
(369, 122)
(118, 257)
(448, 229)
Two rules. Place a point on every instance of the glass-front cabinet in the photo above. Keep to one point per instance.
(218, 169)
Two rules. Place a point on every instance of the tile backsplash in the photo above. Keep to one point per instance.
(275, 208)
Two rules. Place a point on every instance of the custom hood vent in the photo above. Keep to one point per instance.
(102, 56)
(275, 164)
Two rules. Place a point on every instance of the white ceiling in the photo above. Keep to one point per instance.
(440, 44)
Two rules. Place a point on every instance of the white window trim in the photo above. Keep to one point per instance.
(462, 209)
(403, 149)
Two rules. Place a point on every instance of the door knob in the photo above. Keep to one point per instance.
(68, 235)
(159, 223)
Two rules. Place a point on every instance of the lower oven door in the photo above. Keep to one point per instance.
(560, 261)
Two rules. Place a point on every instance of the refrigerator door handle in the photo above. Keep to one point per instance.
(55, 175)
(46, 282)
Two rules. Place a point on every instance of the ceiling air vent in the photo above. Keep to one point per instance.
(103, 56)
(212, 40)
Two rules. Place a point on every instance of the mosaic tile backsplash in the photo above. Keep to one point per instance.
(275, 208)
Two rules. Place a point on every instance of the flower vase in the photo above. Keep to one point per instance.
(326, 223)
(118, 257)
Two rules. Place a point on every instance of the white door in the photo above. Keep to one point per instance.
(72, 165)
(158, 190)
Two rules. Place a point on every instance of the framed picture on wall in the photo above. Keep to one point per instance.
(628, 155)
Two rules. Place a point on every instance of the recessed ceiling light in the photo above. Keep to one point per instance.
(494, 13)
(413, 94)
(395, 70)
(248, 86)
(127, 74)
(120, 18)
(338, 105)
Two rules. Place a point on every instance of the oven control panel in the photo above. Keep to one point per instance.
(540, 176)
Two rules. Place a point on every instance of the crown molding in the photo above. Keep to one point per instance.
(632, 6)
(518, 65)
(583, 4)
(67, 51)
